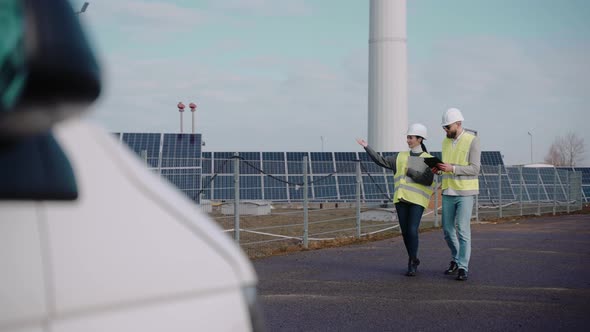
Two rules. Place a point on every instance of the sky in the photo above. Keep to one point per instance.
(292, 75)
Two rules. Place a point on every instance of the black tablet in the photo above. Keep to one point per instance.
(432, 161)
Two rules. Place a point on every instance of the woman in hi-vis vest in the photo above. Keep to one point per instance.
(412, 188)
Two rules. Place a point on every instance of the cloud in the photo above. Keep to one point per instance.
(252, 100)
(156, 12)
(505, 88)
(238, 110)
(277, 8)
(145, 21)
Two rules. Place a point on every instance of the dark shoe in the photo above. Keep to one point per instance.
(412, 267)
(462, 276)
(452, 269)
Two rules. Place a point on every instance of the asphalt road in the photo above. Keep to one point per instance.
(530, 275)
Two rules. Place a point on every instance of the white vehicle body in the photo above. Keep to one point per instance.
(130, 254)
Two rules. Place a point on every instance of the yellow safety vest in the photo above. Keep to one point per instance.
(405, 189)
(459, 155)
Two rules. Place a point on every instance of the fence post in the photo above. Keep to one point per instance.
(236, 198)
(305, 206)
(521, 189)
(567, 196)
(436, 224)
(581, 205)
(554, 190)
(538, 191)
(358, 199)
(500, 189)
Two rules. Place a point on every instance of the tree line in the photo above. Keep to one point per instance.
(566, 150)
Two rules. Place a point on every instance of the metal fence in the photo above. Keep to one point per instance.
(315, 207)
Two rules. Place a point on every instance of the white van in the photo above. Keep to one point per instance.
(90, 240)
(131, 253)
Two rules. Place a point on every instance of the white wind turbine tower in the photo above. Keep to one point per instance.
(388, 76)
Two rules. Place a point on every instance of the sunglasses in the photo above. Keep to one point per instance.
(447, 127)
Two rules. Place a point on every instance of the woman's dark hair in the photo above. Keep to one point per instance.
(422, 144)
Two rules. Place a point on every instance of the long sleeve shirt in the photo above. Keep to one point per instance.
(424, 178)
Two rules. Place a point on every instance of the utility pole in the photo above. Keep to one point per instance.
(530, 132)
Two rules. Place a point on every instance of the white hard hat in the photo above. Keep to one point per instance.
(417, 129)
(451, 115)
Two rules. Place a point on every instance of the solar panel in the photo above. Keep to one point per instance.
(536, 193)
(322, 162)
(484, 188)
(550, 187)
(295, 162)
(275, 188)
(347, 187)
(530, 175)
(368, 165)
(491, 158)
(186, 179)
(562, 184)
(342, 186)
(547, 175)
(493, 186)
(325, 187)
(549, 181)
(206, 162)
(516, 183)
(251, 163)
(506, 187)
(250, 187)
(296, 191)
(574, 179)
(181, 150)
(148, 142)
(345, 162)
(585, 177)
(223, 162)
(514, 174)
(585, 174)
(375, 187)
(273, 162)
(206, 186)
(179, 159)
(223, 187)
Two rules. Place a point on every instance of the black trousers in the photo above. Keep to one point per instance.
(409, 216)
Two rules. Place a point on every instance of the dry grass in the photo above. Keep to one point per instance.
(338, 226)
(327, 228)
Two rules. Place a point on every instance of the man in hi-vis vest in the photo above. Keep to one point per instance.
(461, 157)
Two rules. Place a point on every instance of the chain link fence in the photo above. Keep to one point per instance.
(269, 207)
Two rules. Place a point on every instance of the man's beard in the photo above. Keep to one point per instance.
(452, 134)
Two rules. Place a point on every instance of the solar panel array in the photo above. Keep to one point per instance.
(278, 176)
(176, 157)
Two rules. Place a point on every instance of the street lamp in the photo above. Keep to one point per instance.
(83, 9)
(530, 132)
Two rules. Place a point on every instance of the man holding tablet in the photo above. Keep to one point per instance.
(460, 166)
